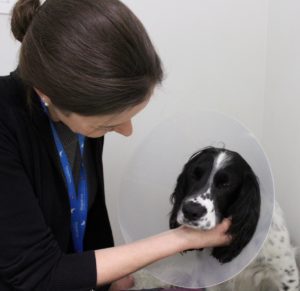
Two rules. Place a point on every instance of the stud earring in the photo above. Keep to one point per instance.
(45, 103)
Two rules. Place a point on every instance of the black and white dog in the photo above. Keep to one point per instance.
(217, 183)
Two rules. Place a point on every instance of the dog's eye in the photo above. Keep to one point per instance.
(222, 180)
(197, 173)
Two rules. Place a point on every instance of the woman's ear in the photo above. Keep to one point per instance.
(244, 213)
(43, 97)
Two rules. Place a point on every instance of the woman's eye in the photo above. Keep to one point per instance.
(104, 129)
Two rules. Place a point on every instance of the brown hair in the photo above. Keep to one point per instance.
(91, 57)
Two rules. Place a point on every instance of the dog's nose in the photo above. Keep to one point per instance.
(193, 211)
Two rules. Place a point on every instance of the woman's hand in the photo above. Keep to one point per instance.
(208, 238)
(122, 284)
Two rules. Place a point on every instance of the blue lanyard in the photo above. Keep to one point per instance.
(78, 203)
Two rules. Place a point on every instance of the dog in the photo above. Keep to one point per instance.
(216, 183)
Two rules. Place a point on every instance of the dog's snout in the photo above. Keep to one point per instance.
(193, 211)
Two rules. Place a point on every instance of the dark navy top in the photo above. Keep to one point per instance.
(35, 238)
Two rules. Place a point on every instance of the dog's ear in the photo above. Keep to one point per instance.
(177, 197)
(181, 187)
(244, 213)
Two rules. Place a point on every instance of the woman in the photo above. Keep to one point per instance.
(85, 68)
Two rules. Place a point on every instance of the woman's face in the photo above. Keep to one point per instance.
(96, 126)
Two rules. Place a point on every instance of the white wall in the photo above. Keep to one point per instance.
(281, 130)
(215, 55)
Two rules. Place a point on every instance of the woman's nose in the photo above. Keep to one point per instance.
(125, 128)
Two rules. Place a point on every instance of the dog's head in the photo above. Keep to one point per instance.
(217, 183)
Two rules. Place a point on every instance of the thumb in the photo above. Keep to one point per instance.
(218, 236)
(224, 225)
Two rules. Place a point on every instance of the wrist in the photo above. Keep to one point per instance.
(186, 238)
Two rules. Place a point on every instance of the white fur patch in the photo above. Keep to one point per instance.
(207, 221)
(219, 163)
(222, 157)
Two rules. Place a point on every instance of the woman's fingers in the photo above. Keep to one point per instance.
(218, 235)
(223, 227)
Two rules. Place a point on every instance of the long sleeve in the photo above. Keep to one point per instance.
(30, 257)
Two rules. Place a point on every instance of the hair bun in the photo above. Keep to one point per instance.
(22, 15)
